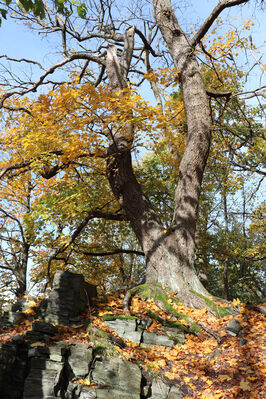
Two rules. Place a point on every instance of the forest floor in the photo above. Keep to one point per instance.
(212, 364)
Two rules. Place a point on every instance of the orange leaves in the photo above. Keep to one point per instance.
(207, 368)
(29, 312)
(170, 376)
(224, 377)
(86, 382)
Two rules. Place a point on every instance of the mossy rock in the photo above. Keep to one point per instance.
(112, 317)
(166, 323)
(219, 311)
(160, 294)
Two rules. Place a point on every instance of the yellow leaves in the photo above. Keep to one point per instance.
(207, 350)
(224, 377)
(166, 77)
(29, 312)
(236, 302)
(252, 378)
(82, 381)
(161, 363)
(158, 364)
(103, 312)
(170, 376)
(244, 385)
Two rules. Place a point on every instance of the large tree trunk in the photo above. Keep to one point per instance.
(198, 141)
(169, 253)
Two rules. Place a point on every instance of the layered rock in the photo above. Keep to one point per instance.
(69, 296)
(35, 366)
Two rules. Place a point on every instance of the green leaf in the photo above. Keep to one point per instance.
(3, 12)
(38, 9)
(82, 11)
(25, 5)
(59, 4)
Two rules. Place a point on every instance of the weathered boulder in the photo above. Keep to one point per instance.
(135, 331)
(233, 327)
(69, 296)
(117, 373)
(80, 359)
(59, 352)
(175, 393)
(40, 384)
(46, 377)
(34, 366)
(126, 328)
(152, 339)
(44, 327)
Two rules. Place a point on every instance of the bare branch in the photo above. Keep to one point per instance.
(216, 94)
(83, 70)
(147, 45)
(92, 215)
(127, 51)
(114, 252)
(5, 268)
(260, 91)
(22, 60)
(99, 79)
(14, 167)
(77, 56)
(212, 17)
(13, 109)
(249, 168)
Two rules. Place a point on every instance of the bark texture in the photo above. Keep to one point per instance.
(20, 271)
(169, 253)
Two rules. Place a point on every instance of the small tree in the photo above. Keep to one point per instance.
(16, 234)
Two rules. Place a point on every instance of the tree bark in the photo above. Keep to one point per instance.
(169, 253)
(21, 272)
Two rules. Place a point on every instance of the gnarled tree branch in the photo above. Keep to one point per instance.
(212, 17)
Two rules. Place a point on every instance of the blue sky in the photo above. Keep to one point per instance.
(19, 41)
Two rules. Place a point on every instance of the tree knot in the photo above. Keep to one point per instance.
(167, 14)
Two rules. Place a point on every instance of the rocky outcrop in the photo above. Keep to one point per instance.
(55, 372)
(134, 330)
(13, 368)
(69, 296)
(49, 372)
(35, 366)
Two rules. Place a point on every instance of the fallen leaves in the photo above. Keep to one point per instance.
(207, 368)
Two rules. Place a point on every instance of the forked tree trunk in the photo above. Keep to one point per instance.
(169, 254)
